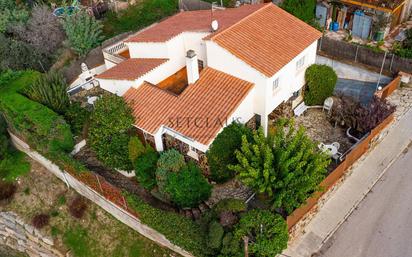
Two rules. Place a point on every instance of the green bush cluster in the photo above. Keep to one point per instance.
(188, 187)
(138, 16)
(302, 9)
(179, 182)
(222, 151)
(321, 81)
(108, 135)
(77, 117)
(145, 168)
(136, 149)
(178, 229)
(36, 124)
(169, 161)
(267, 232)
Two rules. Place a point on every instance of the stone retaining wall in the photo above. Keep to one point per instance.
(25, 238)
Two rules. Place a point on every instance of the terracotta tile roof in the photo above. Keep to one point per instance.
(268, 39)
(197, 113)
(196, 21)
(131, 69)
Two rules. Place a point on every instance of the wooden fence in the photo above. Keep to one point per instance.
(389, 88)
(358, 150)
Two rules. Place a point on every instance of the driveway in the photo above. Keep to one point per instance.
(381, 226)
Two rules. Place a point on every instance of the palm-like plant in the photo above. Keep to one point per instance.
(50, 90)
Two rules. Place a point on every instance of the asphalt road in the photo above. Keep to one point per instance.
(381, 226)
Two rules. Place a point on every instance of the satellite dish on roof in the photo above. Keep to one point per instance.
(215, 25)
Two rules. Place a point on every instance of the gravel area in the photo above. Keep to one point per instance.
(321, 130)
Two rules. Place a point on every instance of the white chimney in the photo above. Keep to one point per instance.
(192, 67)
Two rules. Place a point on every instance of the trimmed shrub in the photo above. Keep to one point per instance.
(146, 167)
(78, 207)
(321, 81)
(108, 132)
(136, 148)
(49, 90)
(39, 221)
(215, 235)
(188, 187)
(267, 232)
(222, 151)
(170, 161)
(83, 32)
(7, 190)
(39, 126)
(180, 230)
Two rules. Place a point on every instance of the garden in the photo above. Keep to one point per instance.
(172, 194)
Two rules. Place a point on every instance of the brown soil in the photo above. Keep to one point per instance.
(130, 185)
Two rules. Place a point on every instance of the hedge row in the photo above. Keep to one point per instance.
(36, 124)
(178, 229)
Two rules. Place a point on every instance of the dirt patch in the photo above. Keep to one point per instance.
(41, 192)
(130, 185)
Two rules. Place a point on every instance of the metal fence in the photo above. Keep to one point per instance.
(379, 60)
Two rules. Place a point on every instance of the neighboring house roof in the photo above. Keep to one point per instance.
(194, 21)
(131, 69)
(268, 39)
(197, 113)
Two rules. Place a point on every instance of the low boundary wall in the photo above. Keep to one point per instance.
(116, 207)
(327, 184)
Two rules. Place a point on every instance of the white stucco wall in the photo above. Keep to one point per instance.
(290, 79)
(221, 59)
(265, 101)
(174, 48)
(147, 50)
(118, 87)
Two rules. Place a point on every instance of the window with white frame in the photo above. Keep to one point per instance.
(275, 86)
(193, 153)
(300, 63)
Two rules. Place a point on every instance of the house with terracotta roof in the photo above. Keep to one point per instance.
(189, 76)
